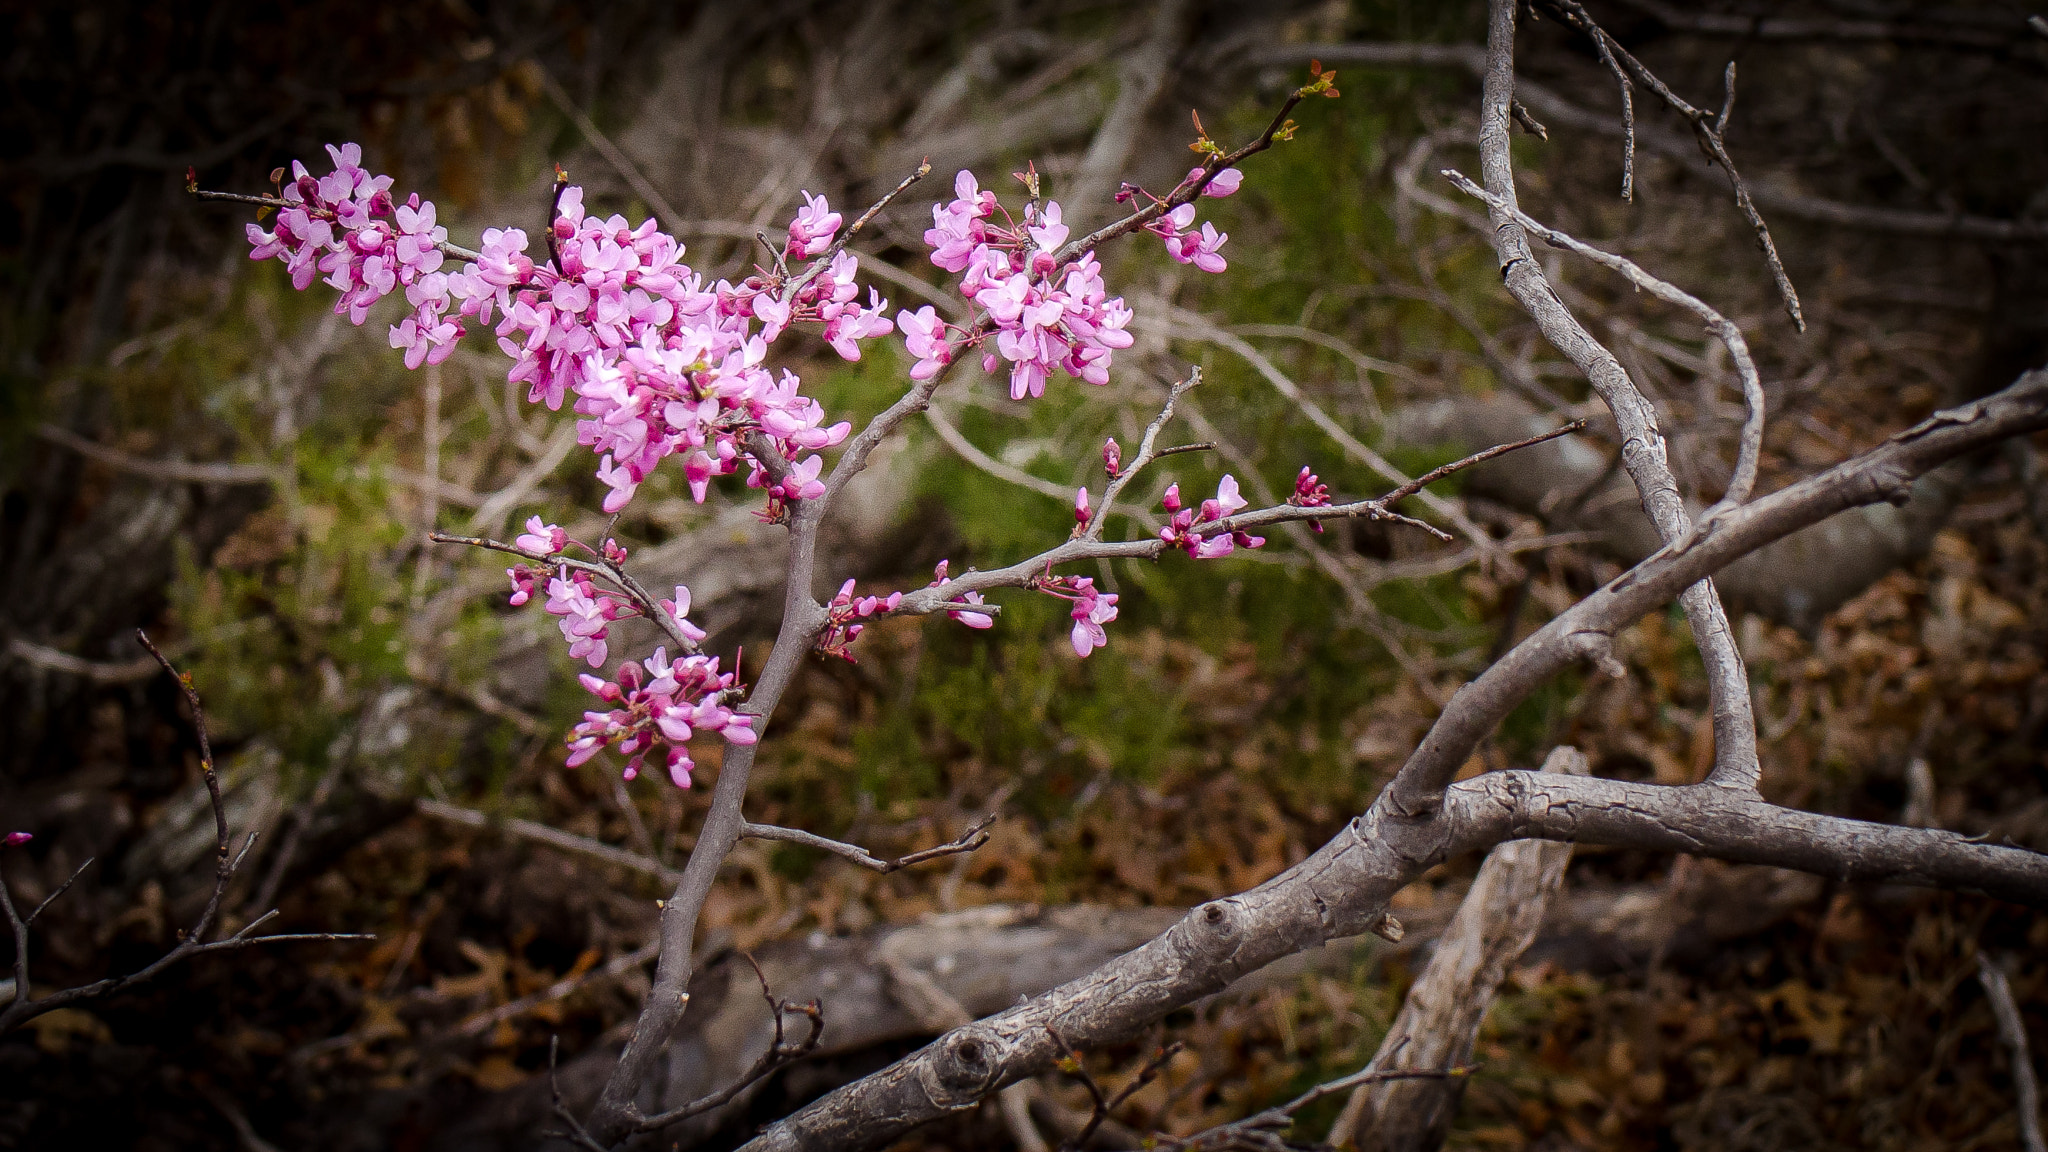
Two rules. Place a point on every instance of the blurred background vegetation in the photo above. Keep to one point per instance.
(189, 446)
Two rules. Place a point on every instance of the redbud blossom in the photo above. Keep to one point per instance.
(1182, 531)
(14, 838)
(1310, 492)
(659, 362)
(1091, 610)
(971, 619)
(1112, 457)
(1081, 513)
(1047, 317)
(659, 701)
(546, 539)
(1222, 184)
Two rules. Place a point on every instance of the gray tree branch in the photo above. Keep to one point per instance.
(1343, 888)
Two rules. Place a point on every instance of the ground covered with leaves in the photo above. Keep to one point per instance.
(1243, 711)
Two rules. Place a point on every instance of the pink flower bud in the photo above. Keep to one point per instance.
(14, 838)
(1112, 457)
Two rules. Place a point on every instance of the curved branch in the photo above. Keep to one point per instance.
(1642, 442)
(1343, 888)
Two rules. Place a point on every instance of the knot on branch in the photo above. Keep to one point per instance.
(963, 1067)
(1597, 648)
(1212, 931)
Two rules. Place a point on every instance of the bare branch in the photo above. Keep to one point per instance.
(1723, 329)
(552, 837)
(2013, 1031)
(191, 941)
(1342, 889)
(1642, 442)
(619, 161)
(1769, 194)
(176, 471)
(1574, 15)
(780, 1052)
(975, 836)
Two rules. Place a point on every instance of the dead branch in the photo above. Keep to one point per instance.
(2013, 1031)
(191, 941)
(1438, 1025)
(1643, 445)
(1343, 887)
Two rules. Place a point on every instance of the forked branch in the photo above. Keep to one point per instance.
(191, 941)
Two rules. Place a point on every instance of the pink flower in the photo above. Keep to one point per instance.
(14, 838)
(1091, 611)
(1223, 183)
(1112, 457)
(1205, 254)
(810, 234)
(1048, 233)
(546, 539)
(677, 609)
(1081, 512)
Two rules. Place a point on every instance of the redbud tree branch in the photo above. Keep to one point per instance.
(1642, 441)
(804, 620)
(1343, 888)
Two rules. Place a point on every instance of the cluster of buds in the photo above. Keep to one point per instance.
(840, 616)
(1183, 531)
(660, 701)
(1310, 492)
(965, 616)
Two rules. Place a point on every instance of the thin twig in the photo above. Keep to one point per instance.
(1703, 125)
(1103, 1106)
(612, 153)
(553, 837)
(975, 836)
(1751, 448)
(190, 940)
(1261, 1132)
(2013, 1030)
(779, 1053)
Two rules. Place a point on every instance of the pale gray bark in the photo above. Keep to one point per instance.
(1438, 1024)
(1343, 888)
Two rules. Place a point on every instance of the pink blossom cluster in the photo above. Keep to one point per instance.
(1092, 609)
(660, 363)
(345, 225)
(660, 701)
(1045, 316)
(586, 613)
(1203, 248)
(840, 616)
(1310, 492)
(1183, 530)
